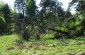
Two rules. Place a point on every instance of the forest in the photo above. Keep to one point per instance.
(44, 29)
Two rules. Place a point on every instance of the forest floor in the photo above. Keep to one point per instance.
(11, 45)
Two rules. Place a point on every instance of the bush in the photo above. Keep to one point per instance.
(37, 36)
(57, 35)
(25, 35)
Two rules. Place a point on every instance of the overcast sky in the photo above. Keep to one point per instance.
(65, 3)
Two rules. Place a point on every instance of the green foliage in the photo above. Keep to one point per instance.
(31, 7)
(34, 25)
(30, 21)
(6, 13)
(7, 17)
(2, 26)
(1, 6)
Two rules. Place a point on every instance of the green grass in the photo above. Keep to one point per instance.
(6, 41)
(44, 46)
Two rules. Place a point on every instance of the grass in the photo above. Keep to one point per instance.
(45, 46)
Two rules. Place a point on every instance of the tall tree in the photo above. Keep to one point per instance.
(51, 12)
(6, 14)
(31, 7)
(20, 27)
(80, 11)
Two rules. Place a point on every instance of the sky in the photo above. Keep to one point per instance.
(10, 2)
(65, 3)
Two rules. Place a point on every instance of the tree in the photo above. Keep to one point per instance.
(7, 17)
(20, 5)
(80, 12)
(80, 6)
(31, 8)
(20, 27)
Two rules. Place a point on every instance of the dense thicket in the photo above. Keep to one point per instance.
(30, 20)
